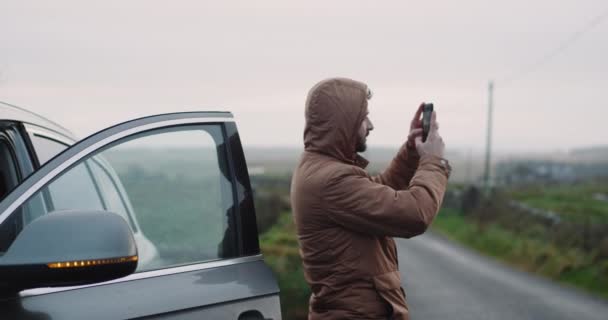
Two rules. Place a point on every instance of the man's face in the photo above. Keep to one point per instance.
(364, 129)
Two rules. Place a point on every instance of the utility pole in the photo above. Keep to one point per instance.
(467, 178)
(486, 173)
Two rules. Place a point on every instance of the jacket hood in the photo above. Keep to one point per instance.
(335, 108)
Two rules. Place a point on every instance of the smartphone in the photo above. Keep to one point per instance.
(427, 112)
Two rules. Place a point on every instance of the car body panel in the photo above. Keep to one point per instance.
(160, 295)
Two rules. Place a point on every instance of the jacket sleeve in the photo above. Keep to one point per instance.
(357, 203)
(401, 169)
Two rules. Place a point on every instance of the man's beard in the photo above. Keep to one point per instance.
(361, 145)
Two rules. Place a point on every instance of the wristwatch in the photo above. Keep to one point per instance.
(446, 165)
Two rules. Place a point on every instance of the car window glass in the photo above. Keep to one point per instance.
(177, 184)
(75, 190)
(109, 187)
(46, 148)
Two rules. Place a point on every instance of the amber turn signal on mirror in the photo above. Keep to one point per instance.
(90, 263)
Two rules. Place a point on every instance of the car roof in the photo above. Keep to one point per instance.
(14, 113)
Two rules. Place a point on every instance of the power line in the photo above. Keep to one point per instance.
(518, 75)
(562, 47)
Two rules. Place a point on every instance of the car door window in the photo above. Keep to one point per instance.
(98, 190)
(176, 182)
(110, 189)
(46, 148)
(75, 190)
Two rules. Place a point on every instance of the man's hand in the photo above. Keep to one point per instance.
(415, 128)
(434, 143)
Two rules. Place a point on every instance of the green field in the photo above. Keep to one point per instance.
(569, 201)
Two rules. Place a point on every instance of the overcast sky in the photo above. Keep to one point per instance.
(88, 65)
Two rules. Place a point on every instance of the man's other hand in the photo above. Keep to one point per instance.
(434, 143)
(415, 127)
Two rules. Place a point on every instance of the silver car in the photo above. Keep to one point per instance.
(152, 218)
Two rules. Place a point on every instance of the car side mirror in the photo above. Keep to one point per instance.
(67, 248)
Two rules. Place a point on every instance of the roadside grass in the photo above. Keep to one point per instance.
(571, 202)
(280, 249)
(567, 265)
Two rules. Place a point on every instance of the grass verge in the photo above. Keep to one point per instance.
(567, 265)
(280, 248)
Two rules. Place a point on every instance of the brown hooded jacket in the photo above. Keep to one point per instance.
(345, 218)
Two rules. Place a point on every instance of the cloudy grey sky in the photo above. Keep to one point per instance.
(89, 64)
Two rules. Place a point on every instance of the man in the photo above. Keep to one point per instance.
(345, 218)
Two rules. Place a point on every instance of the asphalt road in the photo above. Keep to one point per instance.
(443, 280)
